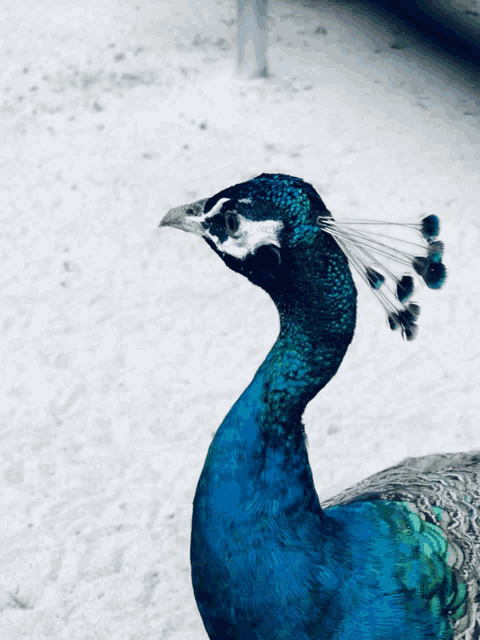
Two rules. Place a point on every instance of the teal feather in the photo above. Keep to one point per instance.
(444, 491)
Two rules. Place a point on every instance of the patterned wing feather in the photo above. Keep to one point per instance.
(444, 490)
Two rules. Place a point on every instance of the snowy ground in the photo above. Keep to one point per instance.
(123, 346)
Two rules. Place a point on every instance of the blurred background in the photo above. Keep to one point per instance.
(123, 346)
(451, 27)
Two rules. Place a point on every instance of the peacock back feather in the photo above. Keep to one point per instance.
(441, 493)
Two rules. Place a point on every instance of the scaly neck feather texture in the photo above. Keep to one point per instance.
(262, 438)
(256, 484)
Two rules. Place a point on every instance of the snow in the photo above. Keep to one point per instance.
(124, 345)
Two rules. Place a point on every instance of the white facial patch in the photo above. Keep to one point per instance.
(238, 238)
(251, 234)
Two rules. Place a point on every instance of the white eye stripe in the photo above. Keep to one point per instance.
(216, 209)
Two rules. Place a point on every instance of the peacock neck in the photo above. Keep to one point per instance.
(260, 448)
(317, 309)
(302, 361)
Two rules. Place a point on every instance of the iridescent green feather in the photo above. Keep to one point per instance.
(437, 515)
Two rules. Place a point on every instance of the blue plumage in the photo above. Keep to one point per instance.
(398, 556)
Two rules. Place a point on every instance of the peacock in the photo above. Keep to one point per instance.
(397, 557)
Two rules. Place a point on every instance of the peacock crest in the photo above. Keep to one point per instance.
(369, 252)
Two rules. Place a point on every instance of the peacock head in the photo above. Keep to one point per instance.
(276, 231)
(258, 227)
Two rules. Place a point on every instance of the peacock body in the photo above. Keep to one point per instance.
(396, 556)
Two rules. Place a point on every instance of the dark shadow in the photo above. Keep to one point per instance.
(451, 36)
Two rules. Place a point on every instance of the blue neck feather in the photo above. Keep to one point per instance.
(257, 476)
(262, 439)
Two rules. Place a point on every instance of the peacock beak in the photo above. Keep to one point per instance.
(187, 218)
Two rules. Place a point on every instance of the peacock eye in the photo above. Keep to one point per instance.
(231, 223)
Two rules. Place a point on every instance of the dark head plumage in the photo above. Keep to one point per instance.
(258, 225)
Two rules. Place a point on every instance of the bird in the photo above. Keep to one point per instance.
(397, 556)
